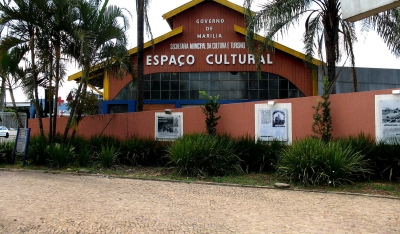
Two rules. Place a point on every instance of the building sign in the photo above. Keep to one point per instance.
(21, 144)
(273, 121)
(226, 59)
(168, 126)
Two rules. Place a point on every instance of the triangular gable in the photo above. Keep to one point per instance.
(169, 15)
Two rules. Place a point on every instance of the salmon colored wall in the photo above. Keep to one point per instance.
(352, 113)
(148, 107)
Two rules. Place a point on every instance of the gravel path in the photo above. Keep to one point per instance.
(37, 202)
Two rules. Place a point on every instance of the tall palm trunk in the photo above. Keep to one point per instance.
(2, 93)
(18, 117)
(57, 86)
(140, 31)
(39, 111)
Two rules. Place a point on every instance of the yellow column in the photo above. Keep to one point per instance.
(106, 85)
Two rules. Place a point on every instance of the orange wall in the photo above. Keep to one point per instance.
(351, 113)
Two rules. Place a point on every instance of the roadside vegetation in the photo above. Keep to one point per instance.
(350, 164)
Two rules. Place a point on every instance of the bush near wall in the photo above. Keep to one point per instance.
(196, 154)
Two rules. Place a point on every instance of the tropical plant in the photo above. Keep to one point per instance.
(325, 30)
(322, 120)
(143, 151)
(59, 154)
(100, 37)
(387, 25)
(11, 73)
(6, 151)
(311, 161)
(108, 155)
(386, 160)
(257, 155)
(204, 155)
(36, 152)
(210, 108)
(22, 19)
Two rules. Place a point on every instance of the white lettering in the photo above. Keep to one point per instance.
(242, 58)
(216, 59)
(225, 59)
(233, 58)
(208, 59)
(156, 62)
(164, 58)
(210, 21)
(179, 60)
(148, 60)
(190, 59)
(262, 59)
(172, 60)
(251, 59)
(269, 59)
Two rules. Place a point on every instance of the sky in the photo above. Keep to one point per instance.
(370, 50)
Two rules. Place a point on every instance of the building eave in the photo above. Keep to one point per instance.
(279, 46)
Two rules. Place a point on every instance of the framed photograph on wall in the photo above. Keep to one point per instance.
(273, 122)
(387, 118)
(168, 127)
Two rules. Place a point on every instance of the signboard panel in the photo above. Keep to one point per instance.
(21, 143)
(168, 127)
(387, 118)
(273, 122)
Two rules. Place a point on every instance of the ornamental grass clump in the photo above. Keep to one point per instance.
(313, 162)
(204, 155)
(108, 155)
(143, 151)
(257, 155)
(59, 155)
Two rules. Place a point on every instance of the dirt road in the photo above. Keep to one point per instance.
(37, 202)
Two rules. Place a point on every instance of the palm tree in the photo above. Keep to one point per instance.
(99, 38)
(387, 25)
(325, 30)
(22, 21)
(142, 20)
(12, 74)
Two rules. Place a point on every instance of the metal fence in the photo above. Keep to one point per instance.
(9, 120)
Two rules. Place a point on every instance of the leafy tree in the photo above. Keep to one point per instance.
(210, 108)
(325, 30)
(322, 121)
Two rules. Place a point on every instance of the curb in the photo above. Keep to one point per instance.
(203, 183)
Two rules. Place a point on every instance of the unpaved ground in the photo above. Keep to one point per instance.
(37, 202)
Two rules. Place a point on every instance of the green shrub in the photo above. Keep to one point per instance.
(98, 142)
(204, 155)
(84, 155)
(360, 143)
(386, 160)
(58, 155)
(312, 162)
(257, 155)
(142, 151)
(6, 151)
(108, 155)
(36, 151)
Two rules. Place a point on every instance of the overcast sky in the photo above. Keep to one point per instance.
(370, 51)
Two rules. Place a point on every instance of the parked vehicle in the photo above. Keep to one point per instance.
(4, 132)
